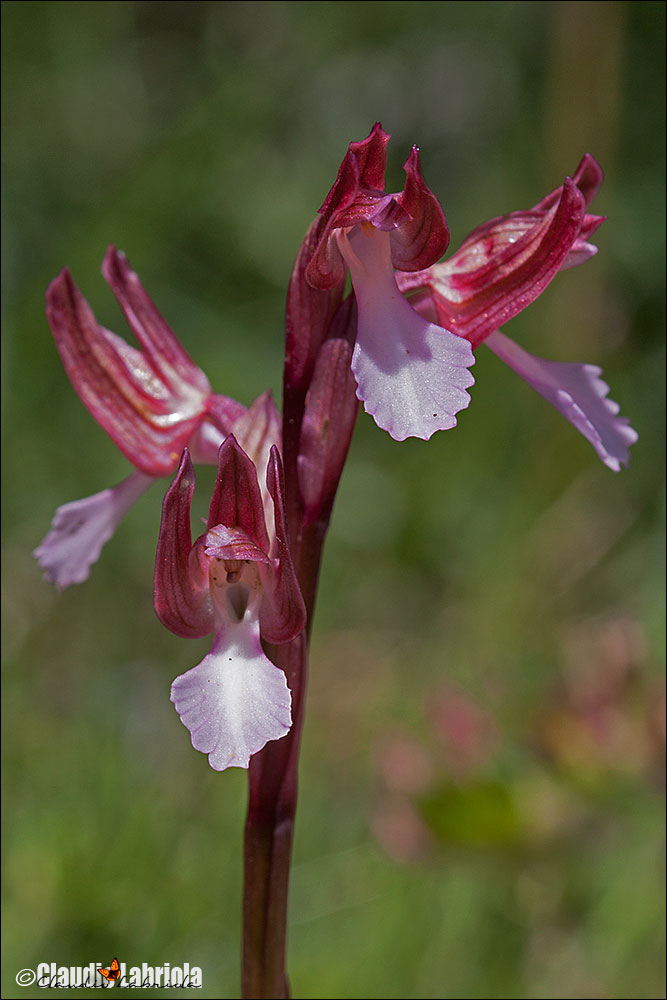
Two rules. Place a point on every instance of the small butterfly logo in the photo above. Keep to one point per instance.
(112, 973)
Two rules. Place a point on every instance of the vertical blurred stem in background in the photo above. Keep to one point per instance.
(583, 85)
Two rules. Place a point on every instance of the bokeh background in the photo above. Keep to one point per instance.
(481, 791)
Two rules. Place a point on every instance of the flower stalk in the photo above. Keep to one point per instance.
(325, 417)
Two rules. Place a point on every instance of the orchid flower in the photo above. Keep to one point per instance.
(411, 374)
(501, 268)
(238, 582)
(151, 402)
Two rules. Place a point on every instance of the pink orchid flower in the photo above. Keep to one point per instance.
(238, 582)
(501, 268)
(151, 402)
(411, 374)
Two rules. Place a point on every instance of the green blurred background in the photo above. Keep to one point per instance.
(481, 793)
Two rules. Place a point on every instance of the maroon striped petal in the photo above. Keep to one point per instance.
(147, 417)
(181, 585)
(237, 498)
(588, 177)
(163, 350)
(413, 217)
(424, 238)
(282, 614)
(501, 267)
(328, 423)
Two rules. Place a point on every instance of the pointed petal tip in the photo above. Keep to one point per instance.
(62, 286)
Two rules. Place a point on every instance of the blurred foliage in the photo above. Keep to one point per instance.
(496, 836)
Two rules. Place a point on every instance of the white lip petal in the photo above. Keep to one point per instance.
(235, 700)
(411, 375)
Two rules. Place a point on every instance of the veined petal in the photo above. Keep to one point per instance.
(221, 542)
(222, 415)
(223, 412)
(310, 311)
(256, 431)
(578, 392)
(588, 177)
(413, 217)
(367, 161)
(411, 375)
(259, 428)
(235, 701)
(424, 237)
(237, 499)
(357, 195)
(329, 417)
(163, 350)
(282, 614)
(501, 268)
(181, 587)
(79, 530)
(147, 415)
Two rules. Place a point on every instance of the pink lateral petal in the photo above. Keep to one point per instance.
(501, 268)
(80, 529)
(156, 337)
(237, 499)
(258, 429)
(366, 161)
(588, 177)
(181, 587)
(223, 411)
(309, 313)
(328, 422)
(235, 700)
(135, 407)
(423, 239)
(282, 614)
(576, 391)
(357, 196)
(411, 375)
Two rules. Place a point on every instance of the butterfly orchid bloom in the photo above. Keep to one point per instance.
(151, 402)
(238, 582)
(502, 267)
(411, 374)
